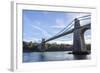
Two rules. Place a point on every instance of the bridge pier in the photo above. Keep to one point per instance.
(79, 46)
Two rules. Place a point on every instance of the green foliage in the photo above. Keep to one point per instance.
(33, 46)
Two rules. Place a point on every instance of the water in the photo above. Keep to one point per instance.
(51, 56)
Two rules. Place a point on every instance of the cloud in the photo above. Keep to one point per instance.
(34, 24)
(37, 22)
(84, 22)
(88, 36)
(84, 14)
(60, 23)
(88, 41)
(61, 42)
(45, 33)
(33, 39)
(72, 16)
(75, 15)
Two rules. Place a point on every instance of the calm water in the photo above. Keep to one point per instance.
(51, 56)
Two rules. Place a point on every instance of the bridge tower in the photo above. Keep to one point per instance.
(42, 45)
(78, 39)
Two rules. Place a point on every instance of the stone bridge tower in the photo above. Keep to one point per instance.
(78, 39)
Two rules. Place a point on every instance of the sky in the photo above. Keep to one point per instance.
(45, 24)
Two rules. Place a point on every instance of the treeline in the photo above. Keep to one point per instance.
(34, 47)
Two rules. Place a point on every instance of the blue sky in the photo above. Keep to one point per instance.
(45, 24)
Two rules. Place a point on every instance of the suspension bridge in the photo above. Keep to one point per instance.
(79, 46)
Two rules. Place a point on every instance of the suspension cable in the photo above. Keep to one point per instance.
(65, 27)
(71, 24)
(84, 16)
(68, 28)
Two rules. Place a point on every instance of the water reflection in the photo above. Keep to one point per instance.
(42, 56)
(51, 56)
(80, 57)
